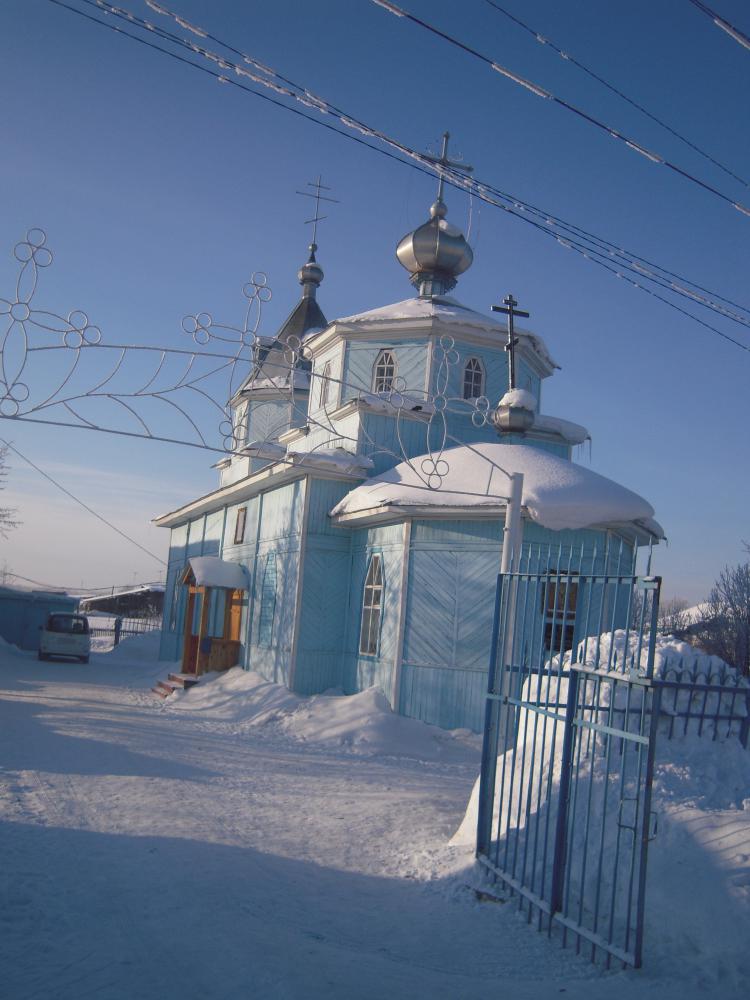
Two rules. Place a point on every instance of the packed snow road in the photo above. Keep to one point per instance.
(160, 852)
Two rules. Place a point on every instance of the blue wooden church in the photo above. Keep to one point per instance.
(355, 537)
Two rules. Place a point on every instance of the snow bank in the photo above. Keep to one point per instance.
(698, 888)
(360, 723)
(557, 493)
(143, 648)
(366, 724)
(238, 696)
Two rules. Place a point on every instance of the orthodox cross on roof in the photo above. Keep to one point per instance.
(444, 162)
(317, 217)
(509, 308)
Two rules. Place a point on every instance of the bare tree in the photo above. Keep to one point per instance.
(7, 519)
(673, 616)
(725, 631)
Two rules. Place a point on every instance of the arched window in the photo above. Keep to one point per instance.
(384, 372)
(325, 385)
(372, 607)
(267, 601)
(473, 379)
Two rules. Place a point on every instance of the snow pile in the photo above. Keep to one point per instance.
(361, 723)
(366, 724)
(142, 648)
(557, 493)
(698, 882)
(519, 397)
(237, 696)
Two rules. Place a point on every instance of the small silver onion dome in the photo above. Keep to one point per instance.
(310, 274)
(435, 253)
(515, 413)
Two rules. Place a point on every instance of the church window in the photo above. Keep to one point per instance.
(267, 601)
(372, 608)
(384, 372)
(559, 609)
(473, 379)
(325, 384)
(239, 525)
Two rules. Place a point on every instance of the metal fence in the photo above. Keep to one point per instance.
(122, 628)
(574, 706)
(567, 765)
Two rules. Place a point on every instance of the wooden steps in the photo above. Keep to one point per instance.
(174, 682)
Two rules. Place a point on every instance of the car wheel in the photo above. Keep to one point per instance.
(42, 656)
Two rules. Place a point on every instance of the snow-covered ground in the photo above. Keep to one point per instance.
(239, 841)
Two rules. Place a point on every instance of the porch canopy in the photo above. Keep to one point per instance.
(211, 571)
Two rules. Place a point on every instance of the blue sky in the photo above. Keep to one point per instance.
(161, 191)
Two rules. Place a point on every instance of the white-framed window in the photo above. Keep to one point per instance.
(325, 385)
(473, 379)
(267, 601)
(372, 607)
(384, 372)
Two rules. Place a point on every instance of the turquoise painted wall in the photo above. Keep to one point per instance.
(359, 361)
(362, 671)
(326, 582)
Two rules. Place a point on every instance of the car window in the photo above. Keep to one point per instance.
(69, 624)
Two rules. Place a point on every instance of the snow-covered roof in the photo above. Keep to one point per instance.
(210, 571)
(557, 493)
(448, 311)
(571, 432)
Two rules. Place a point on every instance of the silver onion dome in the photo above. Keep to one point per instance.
(435, 253)
(310, 274)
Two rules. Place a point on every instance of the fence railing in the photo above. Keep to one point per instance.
(121, 628)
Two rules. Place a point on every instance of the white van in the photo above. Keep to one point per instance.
(65, 635)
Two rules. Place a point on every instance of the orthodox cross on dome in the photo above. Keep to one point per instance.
(444, 162)
(509, 308)
(317, 217)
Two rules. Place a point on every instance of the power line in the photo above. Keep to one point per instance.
(542, 221)
(632, 262)
(80, 502)
(721, 22)
(540, 91)
(104, 591)
(543, 40)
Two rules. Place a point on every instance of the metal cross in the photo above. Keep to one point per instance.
(509, 308)
(443, 161)
(317, 217)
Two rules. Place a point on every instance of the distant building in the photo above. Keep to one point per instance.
(24, 612)
(356, 538)
(139, 602)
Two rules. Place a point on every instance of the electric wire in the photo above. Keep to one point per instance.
(638, 265)
(483, 191)
(544, 40)
(539, 91)
(721, 22)
(91, 591)
(81, 503)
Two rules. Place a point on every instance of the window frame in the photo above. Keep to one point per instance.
(267, 603)
(325, 386)
(239, 525)
(478, 369)
(559, 611)
(366, 629)
(385, 360)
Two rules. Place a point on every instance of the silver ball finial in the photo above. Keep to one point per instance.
(438, 210)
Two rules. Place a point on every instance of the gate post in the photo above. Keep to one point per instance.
(488, 770)
(561, 822)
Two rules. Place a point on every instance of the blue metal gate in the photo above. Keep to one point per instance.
(565, 793)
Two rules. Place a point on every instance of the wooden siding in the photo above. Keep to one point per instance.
(360, 671)
(359, 360)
